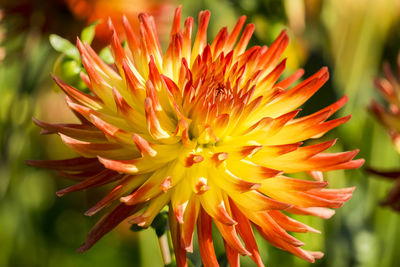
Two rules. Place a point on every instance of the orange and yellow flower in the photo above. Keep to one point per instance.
(389, 88)
(206, 129)
(93, 10)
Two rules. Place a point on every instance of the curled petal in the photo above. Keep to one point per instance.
(99, 179)
(106, 224)
(206, 244)
(73, 164)
(180, 252)
(213, 203)
(246, 233)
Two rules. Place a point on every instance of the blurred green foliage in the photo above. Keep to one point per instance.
(352, 38)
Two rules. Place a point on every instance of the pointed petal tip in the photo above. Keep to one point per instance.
(188, 248)
(110, 25)
(313, 230)
(255, 186)
(166, 184)
(60, 193)
(360, 162)
(83, 248)
(250, 26)
(205, 12)
(118, 166)
(55, 78)
(344, 98)
(317, 254)
(30, 162)
(91, 212)
(324, 70)
(179, 217)
(125, 199)
(243, 17)
(36, 121)
(78, 42)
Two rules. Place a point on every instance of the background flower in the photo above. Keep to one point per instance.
(389, 88)
(100, 10)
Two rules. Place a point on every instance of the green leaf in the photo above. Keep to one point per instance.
(71, 68)
(64, 46)
(89, 32)
(222, 260)
(160, 223)
(105, 54)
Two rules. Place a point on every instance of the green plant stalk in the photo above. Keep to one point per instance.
(164, 248)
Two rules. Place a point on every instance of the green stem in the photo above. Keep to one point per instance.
(164, 247)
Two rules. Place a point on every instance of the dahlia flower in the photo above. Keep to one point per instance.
(93, 10)
(207, 129)
(389, 88)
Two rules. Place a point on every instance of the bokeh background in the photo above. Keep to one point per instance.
(351, 37)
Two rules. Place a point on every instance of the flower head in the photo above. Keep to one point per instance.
(389, 88)
(206, 129)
